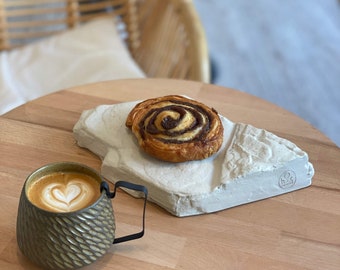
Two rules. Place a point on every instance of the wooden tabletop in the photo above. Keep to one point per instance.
(298, 230)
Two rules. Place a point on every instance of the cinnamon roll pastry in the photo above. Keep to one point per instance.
(176, 129)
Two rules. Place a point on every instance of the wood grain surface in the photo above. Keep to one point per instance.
(298, 230)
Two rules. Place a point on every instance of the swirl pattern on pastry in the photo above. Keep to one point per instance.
(176, 129)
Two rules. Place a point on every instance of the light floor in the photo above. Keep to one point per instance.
(286, 52)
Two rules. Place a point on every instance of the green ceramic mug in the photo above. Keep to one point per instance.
(65, 217)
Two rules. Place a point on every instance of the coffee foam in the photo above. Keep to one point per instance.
(64, 192)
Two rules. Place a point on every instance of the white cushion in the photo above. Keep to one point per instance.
(89, 53)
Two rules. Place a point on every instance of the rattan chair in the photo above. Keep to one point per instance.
(165, 37)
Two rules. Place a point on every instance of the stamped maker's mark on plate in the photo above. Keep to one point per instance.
(287, 179)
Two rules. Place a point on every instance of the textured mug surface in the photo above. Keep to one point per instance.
(65, 240)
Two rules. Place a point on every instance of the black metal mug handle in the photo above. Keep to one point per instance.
(124, 184)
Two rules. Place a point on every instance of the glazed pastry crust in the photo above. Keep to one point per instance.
(176, 129)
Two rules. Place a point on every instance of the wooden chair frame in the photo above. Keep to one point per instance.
(165, 37)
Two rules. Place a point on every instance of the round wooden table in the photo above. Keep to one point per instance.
(298, 230)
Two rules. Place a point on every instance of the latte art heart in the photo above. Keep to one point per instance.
(66, 197)
(64, 192)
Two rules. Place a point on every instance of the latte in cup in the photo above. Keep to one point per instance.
(64, 191)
